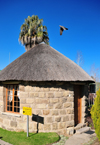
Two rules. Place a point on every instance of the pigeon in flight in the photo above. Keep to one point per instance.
(62, 28)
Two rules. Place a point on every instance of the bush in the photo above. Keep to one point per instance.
(95, 114)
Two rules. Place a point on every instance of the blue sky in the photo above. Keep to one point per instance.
(81, 17)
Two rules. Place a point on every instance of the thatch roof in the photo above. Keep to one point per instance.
(43, 63)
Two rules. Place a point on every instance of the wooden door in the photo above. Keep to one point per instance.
(77, 104)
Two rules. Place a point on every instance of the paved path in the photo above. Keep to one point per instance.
(4, 143)
(80, 139)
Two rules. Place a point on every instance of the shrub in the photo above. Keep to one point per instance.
(95, 114)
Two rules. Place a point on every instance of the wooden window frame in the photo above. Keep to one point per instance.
(12, 98)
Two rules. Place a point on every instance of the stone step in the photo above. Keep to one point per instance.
(80, 125)
(81, 130)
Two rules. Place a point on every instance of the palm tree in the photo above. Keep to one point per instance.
(33, 32)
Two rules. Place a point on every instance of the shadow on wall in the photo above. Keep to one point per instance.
(37, 119)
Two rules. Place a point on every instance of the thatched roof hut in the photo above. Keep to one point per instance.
(52, 85)
(43, 63)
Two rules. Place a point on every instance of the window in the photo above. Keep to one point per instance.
(92, 88)
(12, 99)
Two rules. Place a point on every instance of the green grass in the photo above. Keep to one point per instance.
(20, 138)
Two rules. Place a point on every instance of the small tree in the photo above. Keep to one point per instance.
(33, 32)
(95, 114)
(94, 72)
(79, 58)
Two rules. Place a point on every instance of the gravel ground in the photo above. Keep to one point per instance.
(62, 140)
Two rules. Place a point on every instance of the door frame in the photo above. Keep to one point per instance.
(77, 104)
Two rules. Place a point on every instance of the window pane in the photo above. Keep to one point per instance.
(16, 98)
(7, 108)
(8, 87)
(15, 87)
(8, 93)
(13, 105)
(18, 104)
(10, 108)
(11, 87)
(8, 103)
(15, 92)
(9, 98)
(18, 109)
(18, 93)
(14, 109)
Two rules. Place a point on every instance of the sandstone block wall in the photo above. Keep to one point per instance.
(54, 101)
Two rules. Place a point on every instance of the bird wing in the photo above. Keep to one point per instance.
(61, 30)
(64, 28)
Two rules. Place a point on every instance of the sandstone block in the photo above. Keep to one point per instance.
(6, 122)
(13, 124)
(1, 120)
(67, 104)
(30, 126)
(35, 126)
(40, 127)
(62, 132)
(13, 119)
(70, 130)
(50, 106)
(31, 94)
(37, 89)
(24, 105)
(54, 126)
(39, 100)
(58, 106)
(39, 112)
(21, 88)
(19, 130)
(1, 103)
(57, 119)
(1, 88)
(42, 94)
(70, 123)
(41, 106)
(62, 112)
(1, 93)
(58, 94)
(53, 89)
(54, 112)
(24, 118)
(33, 106)
(61, 125)
(46, 112)
(72, 117)
(24, 94)
(21, 125)
(62, 100)
(49, 120)
(54, 100)
(66, 93)
(3, 127)
(22, 100)
(70, 99)
(47, 127)
(65, 118)
(46, 89)
(28, 88)
(70, 111)
(1, 98)
(50, 95)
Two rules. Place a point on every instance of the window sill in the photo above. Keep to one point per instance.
(11, 114)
